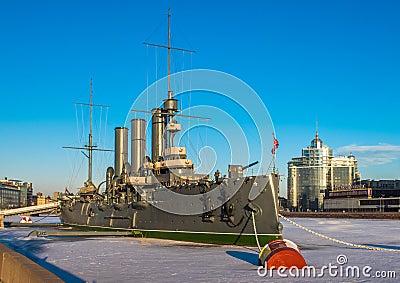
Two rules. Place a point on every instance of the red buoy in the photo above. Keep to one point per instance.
(281, 253)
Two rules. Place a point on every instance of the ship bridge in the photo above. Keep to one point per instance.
(29, 210)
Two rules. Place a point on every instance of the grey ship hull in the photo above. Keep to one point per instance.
(217, 227)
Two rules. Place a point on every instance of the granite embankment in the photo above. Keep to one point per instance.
(14, 267)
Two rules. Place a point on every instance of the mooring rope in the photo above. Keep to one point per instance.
(40, 219)
(255, 231)
(336, 240)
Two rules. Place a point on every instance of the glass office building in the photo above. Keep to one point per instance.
(15, 193)
(315, 172)
(9, 197)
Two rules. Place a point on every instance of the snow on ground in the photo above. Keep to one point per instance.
(122, 259)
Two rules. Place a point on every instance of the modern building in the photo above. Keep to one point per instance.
(15, 193)
(282, 203)
(9, 196)
(381, 184)
(371, 196)
(317, 171)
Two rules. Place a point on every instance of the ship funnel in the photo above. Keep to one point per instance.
(138, 144)
(157, 134)
(121, 149)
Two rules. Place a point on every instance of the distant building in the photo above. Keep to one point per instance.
(9, 196)
(315, 172)
(26, 194)
(15, 193)
(371, 196)
(381, 184)
(41, 199)
(282, 202)
(56, 196)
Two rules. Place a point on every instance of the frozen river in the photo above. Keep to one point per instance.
(126, 259)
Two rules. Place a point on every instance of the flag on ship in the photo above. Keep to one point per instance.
(275, 147)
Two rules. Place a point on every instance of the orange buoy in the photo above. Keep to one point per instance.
(281, 253)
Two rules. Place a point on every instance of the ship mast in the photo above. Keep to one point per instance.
(169, 54)
(90, 147)
(169, 48)
(162, 116)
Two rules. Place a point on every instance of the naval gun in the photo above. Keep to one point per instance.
(236, 171)
(250, 165)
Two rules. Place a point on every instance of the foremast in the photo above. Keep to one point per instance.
(90, 146)
(88, 186)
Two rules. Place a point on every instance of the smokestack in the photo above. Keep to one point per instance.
(138, 144)
(121, 149)
(157, 132)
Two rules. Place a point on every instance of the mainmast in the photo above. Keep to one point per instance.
(170, 94)
(162, 116)
(169, 48)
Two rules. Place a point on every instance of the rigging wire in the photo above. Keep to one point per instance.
(83, 124)
(98, 157)
(203, 145)
(69, 182)
(47, 215)
(77, 169)
(77, 125)
(190, 92)
(161, 23)
(183, 68)
(196, 154)
(197, 141)
(105, 128)
(101, 115)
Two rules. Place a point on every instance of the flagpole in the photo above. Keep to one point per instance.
(275, 145)
(274, 153)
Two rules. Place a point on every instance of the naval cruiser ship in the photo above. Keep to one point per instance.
(163, 197)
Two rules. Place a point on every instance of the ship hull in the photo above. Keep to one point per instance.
(248, 219)
(192, 236)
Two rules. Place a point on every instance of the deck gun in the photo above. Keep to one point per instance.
(250, 165)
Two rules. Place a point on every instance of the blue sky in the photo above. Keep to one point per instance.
(335, 61)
